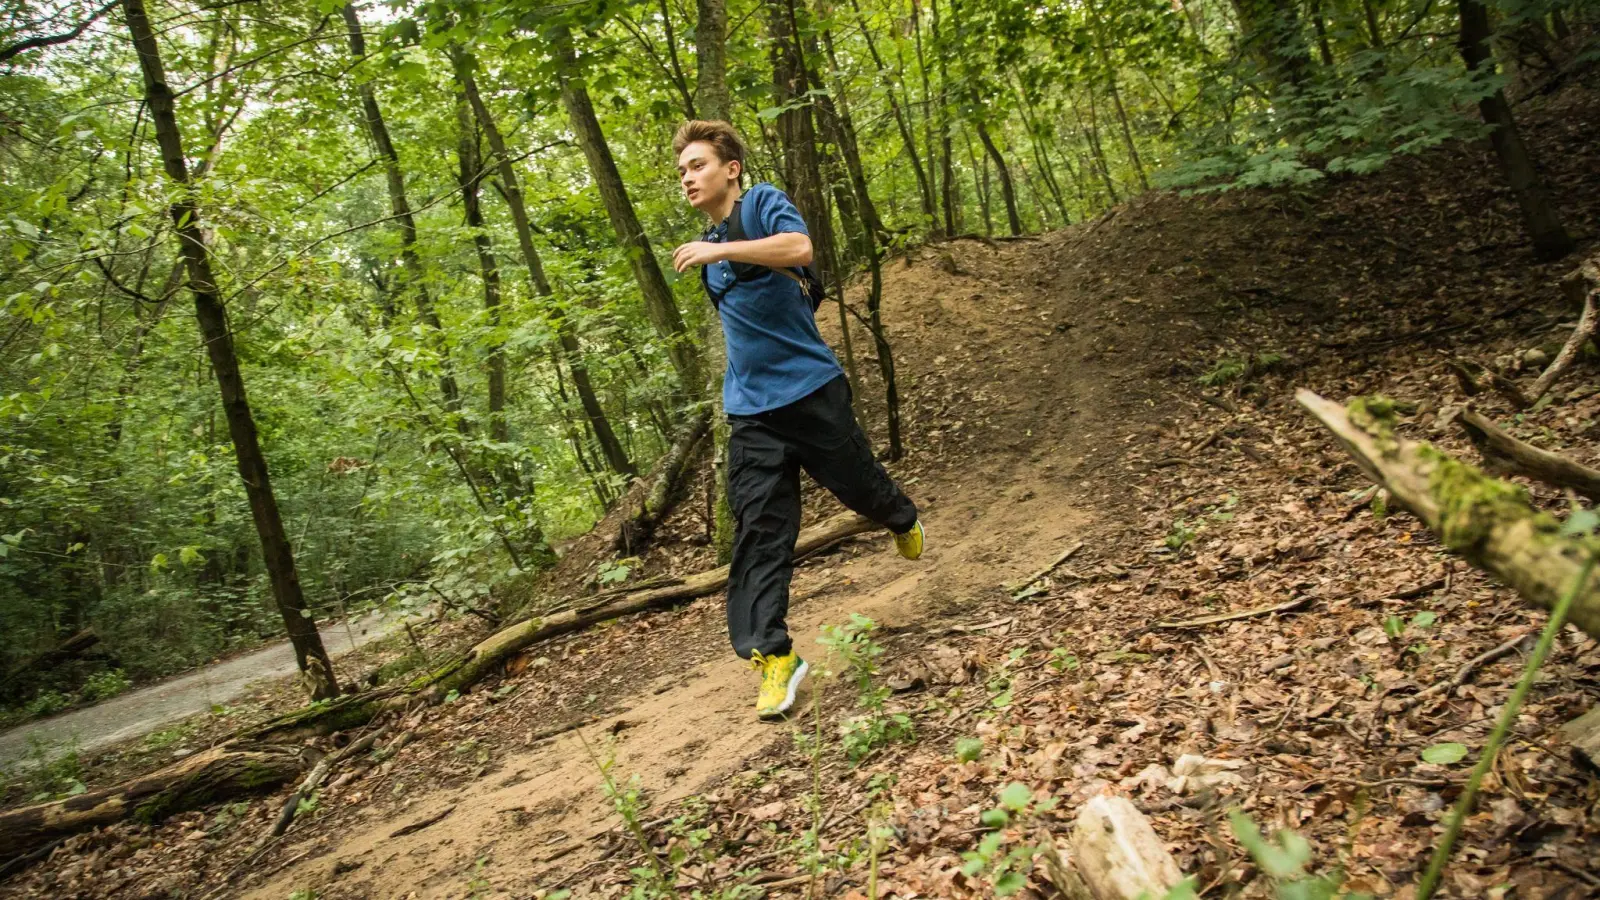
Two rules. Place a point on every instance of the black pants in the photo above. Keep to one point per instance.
(766, 452)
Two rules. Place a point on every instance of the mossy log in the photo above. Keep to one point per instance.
(1489, 522)
(665, 485)
(464, 670)
(220, 773)
(1504, 454)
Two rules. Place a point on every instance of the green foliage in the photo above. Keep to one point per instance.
(1001, 856)
(122, 508)
(104, 685)
(852, 643)
(1284, 859)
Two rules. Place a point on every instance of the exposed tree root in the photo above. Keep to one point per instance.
(1589, 272)
(1487, 521)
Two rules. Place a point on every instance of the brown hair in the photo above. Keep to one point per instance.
(720, 135)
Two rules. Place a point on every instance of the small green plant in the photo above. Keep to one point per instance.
(303, 894)
(1062, 661)
(1229, 369)
(650, 880)
(55, 775)
(308, 804)
(617, 571)
(1000, 856)
(969, 749)
(852, 643)
(104, 685)
(1283, 859)
(1181, 535)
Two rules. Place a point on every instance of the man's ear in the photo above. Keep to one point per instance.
(737, 168)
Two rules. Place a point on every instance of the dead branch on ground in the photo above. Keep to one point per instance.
(1490, 523)
(1504, 454)
(1589, 271)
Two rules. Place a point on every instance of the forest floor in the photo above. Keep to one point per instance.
(1124, 384)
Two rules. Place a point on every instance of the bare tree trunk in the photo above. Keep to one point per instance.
(947, 181)
(470, 172)
(711, 99)
(659, 305)
(907, 135)
(981, 186)
(927, 118)
(1272, 35)
(401, 210)
(1539, 217)
(1092, 132)
(1006, 190)
(843, 126)
(566, 337)
(1040, 155)
(1116, 99)
(213, 319)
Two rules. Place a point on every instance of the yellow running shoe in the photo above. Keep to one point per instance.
(910, 543)
(780, 678)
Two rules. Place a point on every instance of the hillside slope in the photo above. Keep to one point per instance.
(1052, 398)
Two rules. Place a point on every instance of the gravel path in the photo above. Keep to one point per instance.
(140, 712)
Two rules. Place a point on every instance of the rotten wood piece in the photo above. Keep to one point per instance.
(1475, 378)
(1286, 606)
(1583, 733)
(220, 773)
(1589, 271)
(1504, 454)
(1490, 523)
(665, 486)
(317, 775)
(415, 827)
(1118, 854)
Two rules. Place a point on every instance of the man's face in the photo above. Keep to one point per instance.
(705, 178)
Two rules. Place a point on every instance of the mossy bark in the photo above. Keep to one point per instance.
(1489, 522)
(221, 773)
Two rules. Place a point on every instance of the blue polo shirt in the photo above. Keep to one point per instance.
(776, 355)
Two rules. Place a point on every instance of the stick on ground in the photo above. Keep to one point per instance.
(1506, 454)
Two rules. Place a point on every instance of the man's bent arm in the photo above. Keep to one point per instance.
(779, 251)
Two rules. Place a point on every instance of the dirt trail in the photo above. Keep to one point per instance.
(140, 712)
(1005, 414)
(679, 735)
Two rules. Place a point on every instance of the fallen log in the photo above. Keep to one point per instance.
(666, 486)
(1487, 521)
(221, 773)
(488, 655)
(1504, 454)
(1589, 271)
(257, 761)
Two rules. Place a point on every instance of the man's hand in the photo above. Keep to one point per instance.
(696, 253)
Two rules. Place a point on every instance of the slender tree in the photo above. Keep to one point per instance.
(566, 337)
(658, 302)
(405, 220)
(1539, 216)
(212, 317)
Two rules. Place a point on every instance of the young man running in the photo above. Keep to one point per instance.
(786, 397)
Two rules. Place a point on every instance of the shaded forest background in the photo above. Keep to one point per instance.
(418, 252)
